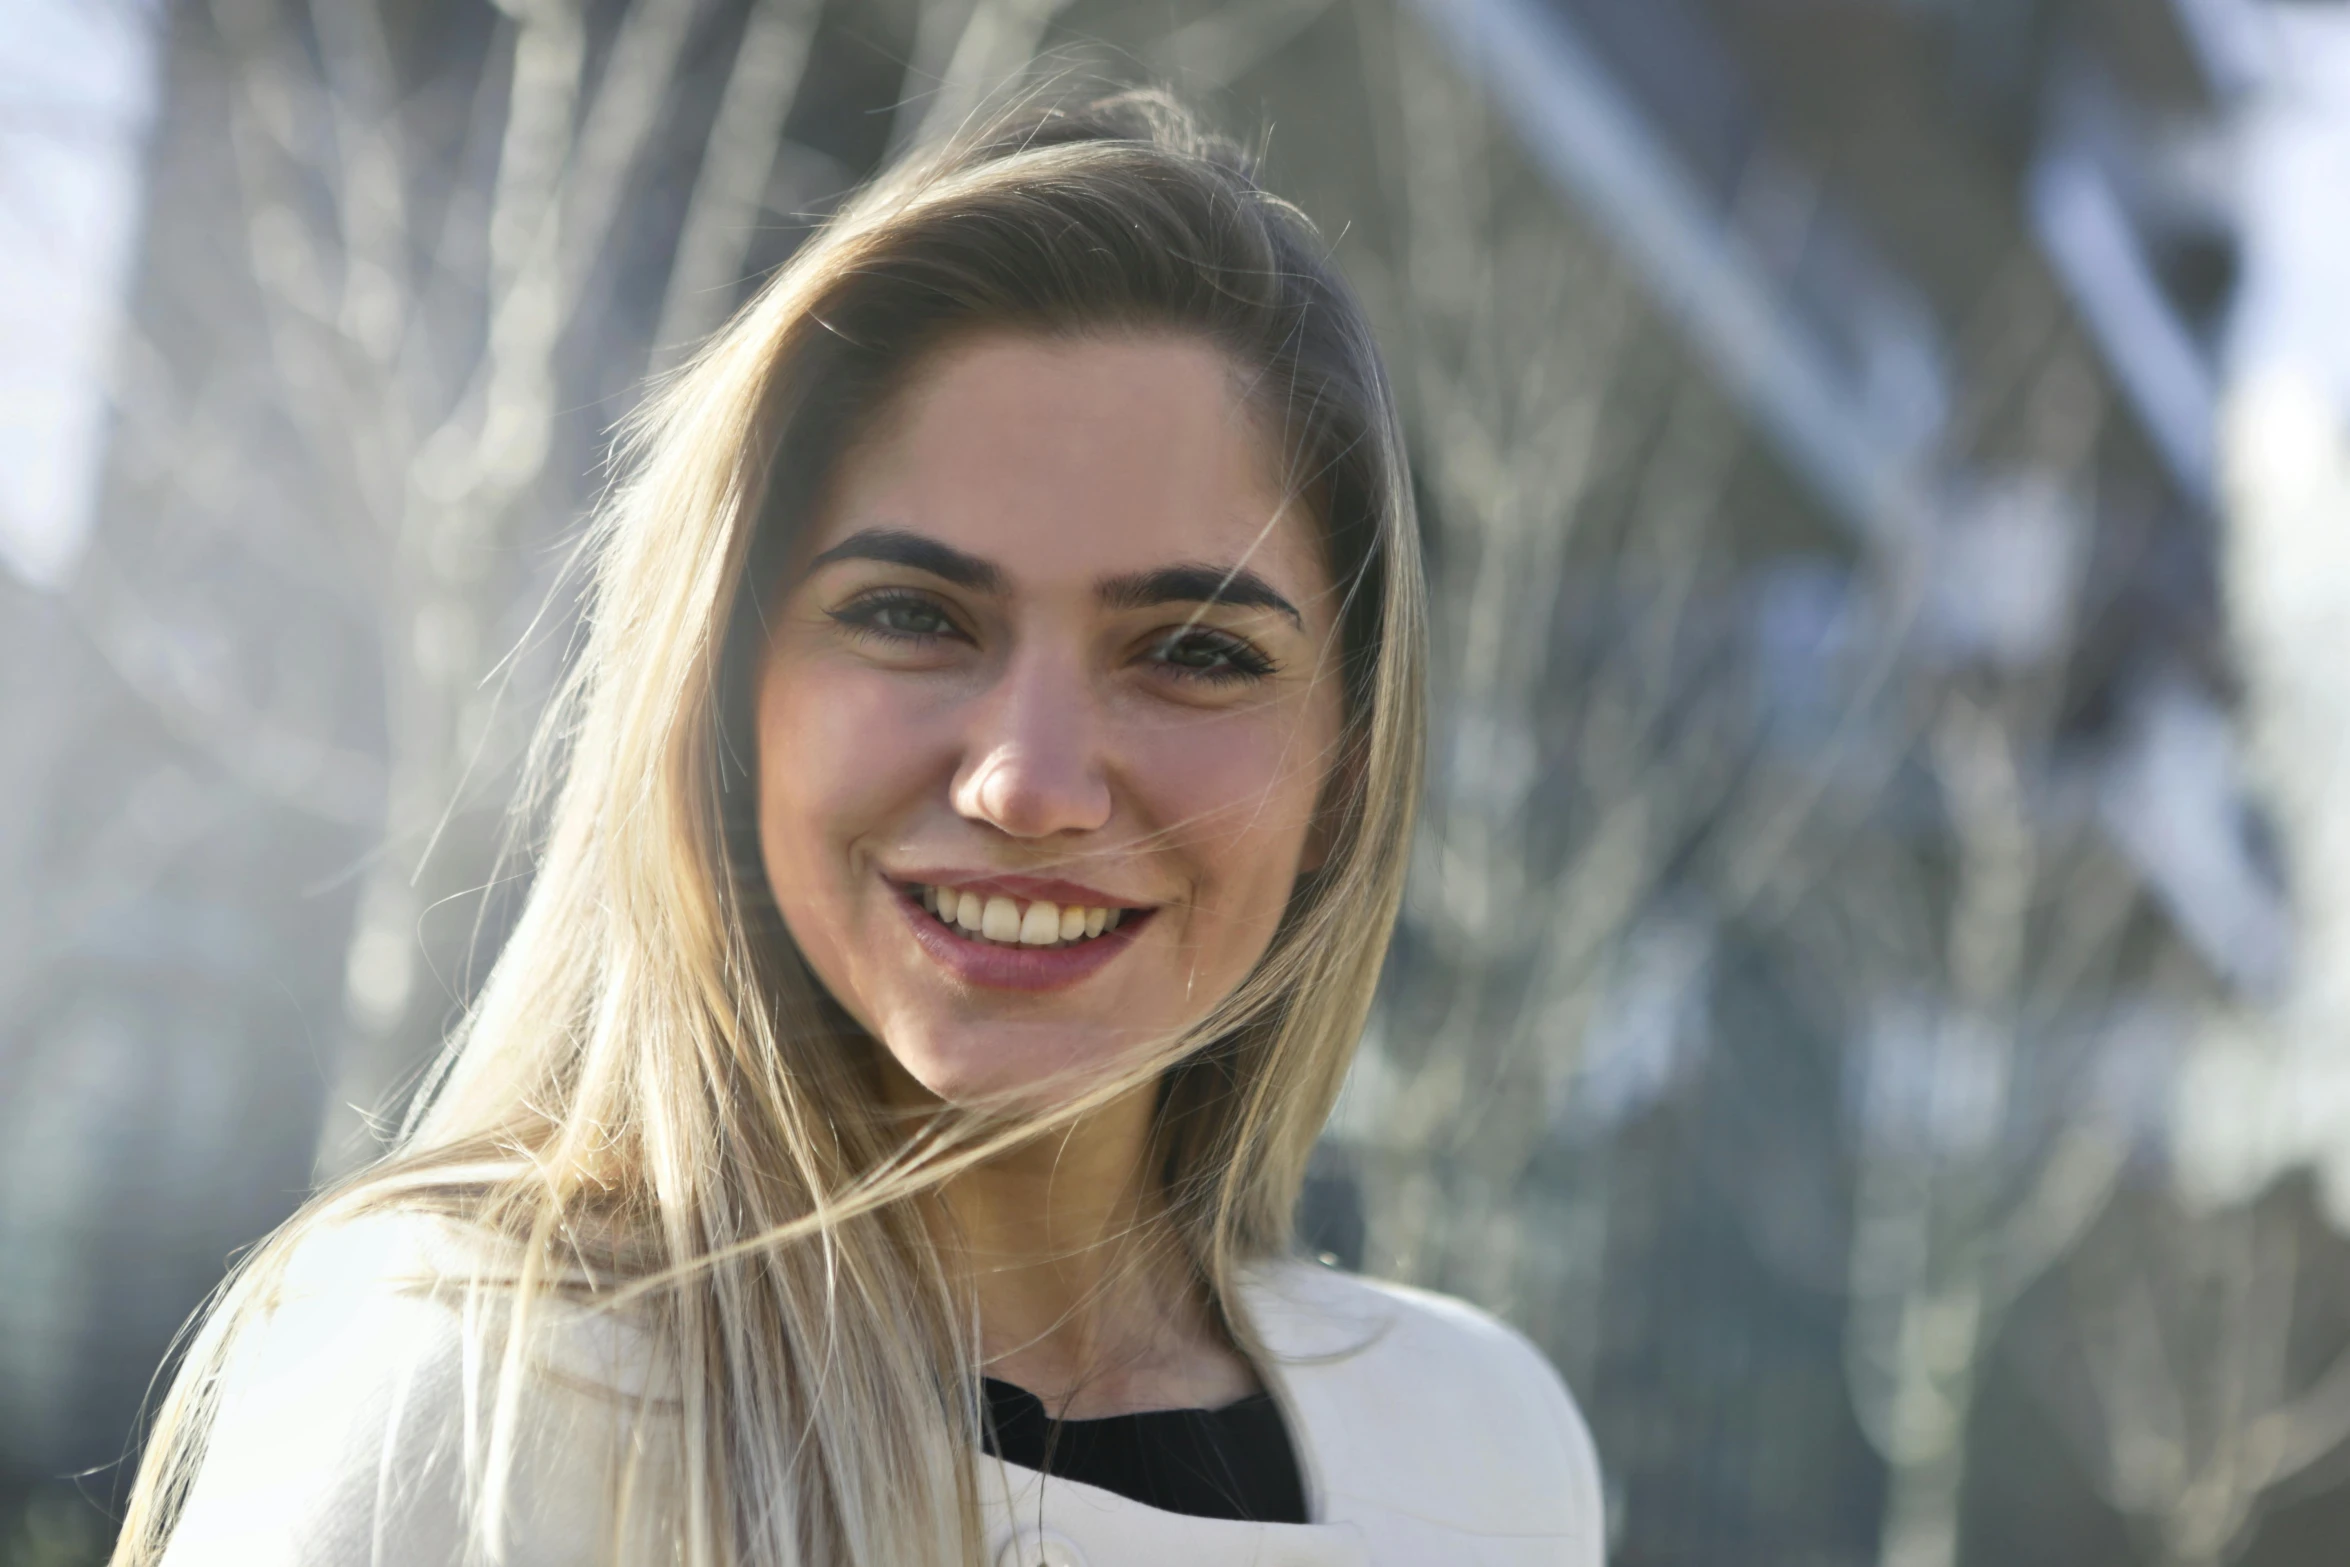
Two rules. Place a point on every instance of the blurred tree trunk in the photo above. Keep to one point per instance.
(441, 306)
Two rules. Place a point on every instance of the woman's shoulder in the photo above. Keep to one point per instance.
(361, 1389)
(1419, 1404)
(425, 1298)
(1311, 1314)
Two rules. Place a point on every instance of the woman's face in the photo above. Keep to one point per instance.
(1047, 710)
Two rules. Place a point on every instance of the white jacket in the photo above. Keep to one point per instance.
(1429, 1434)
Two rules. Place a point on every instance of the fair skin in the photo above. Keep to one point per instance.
(1057, 641)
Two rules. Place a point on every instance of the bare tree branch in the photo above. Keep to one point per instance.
(714, 245)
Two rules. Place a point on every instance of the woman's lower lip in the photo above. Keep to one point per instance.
(1000, 966)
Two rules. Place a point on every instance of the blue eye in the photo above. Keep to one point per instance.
(1218, 657)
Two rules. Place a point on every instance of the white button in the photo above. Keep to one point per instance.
(1030, 1549)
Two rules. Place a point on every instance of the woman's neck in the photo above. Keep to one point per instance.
(1085, 1298)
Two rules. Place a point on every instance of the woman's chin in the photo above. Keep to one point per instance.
(1029, 1070)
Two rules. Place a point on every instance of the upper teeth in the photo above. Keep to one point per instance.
(1008, 920)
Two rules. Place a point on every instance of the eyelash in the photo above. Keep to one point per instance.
(865, 616)
(1240, 660)
(1237, 659)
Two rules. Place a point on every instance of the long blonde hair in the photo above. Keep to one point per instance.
(653, 1101)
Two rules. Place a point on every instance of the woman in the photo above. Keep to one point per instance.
(983, 802)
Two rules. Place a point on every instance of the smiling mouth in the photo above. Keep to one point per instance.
(1034, 923)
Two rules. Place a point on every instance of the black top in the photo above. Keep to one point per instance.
(1233, 1462)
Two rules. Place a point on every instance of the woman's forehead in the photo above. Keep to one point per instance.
(1078, 459)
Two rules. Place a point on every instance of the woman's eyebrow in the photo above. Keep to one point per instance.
(897, 547)
(1234, 585)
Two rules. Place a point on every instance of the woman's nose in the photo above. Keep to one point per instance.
(1032, 761)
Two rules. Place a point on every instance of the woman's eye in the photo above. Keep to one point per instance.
(902, 617)
(1217, 656)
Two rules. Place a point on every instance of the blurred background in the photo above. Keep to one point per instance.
(1874, 997)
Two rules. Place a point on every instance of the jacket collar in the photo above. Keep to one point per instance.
(1306, 1320)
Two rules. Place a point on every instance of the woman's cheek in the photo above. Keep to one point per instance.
(1234, 790)
(850, 745)
(843, 755)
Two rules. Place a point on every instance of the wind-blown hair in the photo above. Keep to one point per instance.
(654, 1106)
